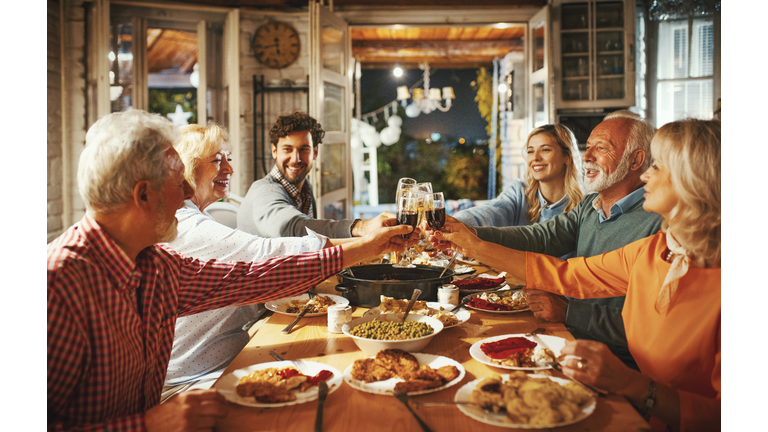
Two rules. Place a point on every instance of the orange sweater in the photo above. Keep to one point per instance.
(680, 349)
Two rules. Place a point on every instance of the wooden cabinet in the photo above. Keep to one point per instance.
(593, 46)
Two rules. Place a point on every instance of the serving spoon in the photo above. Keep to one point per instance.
(416, 294)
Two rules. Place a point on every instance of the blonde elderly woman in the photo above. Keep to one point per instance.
(671, 281)
(553, 183)
(205, 343)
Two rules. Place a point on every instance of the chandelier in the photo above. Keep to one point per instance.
(661, 10)
(426, 100)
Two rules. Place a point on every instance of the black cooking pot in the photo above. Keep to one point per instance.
(370, 282)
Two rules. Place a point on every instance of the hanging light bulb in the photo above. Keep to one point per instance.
(397, 71)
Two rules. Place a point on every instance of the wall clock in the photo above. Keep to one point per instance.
(276, 44)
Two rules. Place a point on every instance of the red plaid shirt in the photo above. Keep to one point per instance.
(106, 364)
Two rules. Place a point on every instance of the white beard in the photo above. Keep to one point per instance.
(604, 181)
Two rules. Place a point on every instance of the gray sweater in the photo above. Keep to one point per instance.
(580, 230)
(267, 211)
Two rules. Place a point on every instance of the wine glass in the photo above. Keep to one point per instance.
(434, 210)
(407, 214)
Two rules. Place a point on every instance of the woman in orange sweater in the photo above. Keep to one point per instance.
(671, 281)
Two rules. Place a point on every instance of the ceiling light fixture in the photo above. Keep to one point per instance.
(397, 71)
(426, 100)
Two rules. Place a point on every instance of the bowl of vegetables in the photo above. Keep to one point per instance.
(386, 331)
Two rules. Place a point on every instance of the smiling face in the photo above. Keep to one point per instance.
(660, 196)
(606, 162)
(546, 159)
(294, 154)
(212, 176)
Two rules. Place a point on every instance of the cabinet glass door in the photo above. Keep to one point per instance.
(609, 50)
(575, 42)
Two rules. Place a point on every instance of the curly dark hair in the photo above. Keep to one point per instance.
(296, 122)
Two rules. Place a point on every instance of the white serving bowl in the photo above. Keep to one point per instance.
(372, 346)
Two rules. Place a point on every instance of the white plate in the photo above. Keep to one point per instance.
(226, 385)
(281, 305)
(387, 387)
(501, 419)
(554, 343)
(462, 315)
(477, 294)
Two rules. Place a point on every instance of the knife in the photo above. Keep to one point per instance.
(304, 311)
(322, 393)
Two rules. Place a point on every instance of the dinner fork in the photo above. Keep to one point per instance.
(403, 397)
(556, 366)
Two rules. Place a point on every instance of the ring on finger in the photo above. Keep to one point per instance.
(582, 365)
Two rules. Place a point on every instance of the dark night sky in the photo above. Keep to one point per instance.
(379, 87)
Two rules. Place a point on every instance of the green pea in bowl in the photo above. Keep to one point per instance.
(371, 346)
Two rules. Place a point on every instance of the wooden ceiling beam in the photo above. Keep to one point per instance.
(438, 45)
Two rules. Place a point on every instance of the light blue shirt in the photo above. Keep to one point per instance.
(509, 209)
(618, 208)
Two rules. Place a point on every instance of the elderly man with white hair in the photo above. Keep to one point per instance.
(610, 217)
(114, 295)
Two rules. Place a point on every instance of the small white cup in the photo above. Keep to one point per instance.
(448, 294)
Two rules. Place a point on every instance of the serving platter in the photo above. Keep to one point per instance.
(462, 314)
(281, 305)
(227, 384)
(387, 387)
(501, 419)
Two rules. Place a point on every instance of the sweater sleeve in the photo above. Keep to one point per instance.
(601, 322)
(505, 210)
(269, 212)
(600, 276)
(557, 237)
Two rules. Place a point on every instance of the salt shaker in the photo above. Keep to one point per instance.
(338, 315)
(448, 294)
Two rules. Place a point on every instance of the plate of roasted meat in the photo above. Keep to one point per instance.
(394, 370)
(276, 384)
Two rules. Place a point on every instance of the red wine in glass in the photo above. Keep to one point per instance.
(436, 218)
(408, 217)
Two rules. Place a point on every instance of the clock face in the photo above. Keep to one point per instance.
(276, 44)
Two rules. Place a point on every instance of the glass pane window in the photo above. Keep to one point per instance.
(686, 52)
(332, 48)
(702, 48)
(333, 107)
(673, 49)
(172, 61)
(539, 43)
(121, 64)
(682, 99)
(333, 165)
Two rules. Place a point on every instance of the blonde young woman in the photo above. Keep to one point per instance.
(553, 183)
(671, 281)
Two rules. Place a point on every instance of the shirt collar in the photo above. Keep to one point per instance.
(554, 205)
(108, 252)
(619, 207)
(293, 191)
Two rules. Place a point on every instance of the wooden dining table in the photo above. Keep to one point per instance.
(348, 409)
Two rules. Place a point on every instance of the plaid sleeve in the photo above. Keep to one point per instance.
(205, 285)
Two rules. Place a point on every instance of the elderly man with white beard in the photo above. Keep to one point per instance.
(611, 216)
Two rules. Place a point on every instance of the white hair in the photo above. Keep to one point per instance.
(640, 135)
(122, 149)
